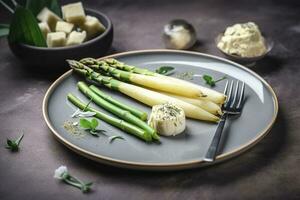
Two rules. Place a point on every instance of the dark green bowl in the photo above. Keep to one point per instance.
(53, 59)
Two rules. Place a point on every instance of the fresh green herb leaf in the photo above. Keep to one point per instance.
(112, 138)
(84, 123)
(24, 29)
(4, 30)
(90, 126)
(13, 145)
(165, 70)
(210, 81)
(37, 5)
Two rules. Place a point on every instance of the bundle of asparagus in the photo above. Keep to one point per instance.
(157, 81)
(143, 95)
(173, 87)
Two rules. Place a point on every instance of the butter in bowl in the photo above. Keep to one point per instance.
(244, 43)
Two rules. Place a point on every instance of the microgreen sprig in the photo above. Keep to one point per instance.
(13, 145)
(165, 70)
(62, 173)
(210, 80)
(90, 126)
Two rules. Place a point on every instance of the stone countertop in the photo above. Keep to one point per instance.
(267, 171)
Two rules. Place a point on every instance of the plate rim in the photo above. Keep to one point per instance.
(160, 166)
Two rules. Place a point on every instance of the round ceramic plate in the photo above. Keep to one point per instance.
(180, 152)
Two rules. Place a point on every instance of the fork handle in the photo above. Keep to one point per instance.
(213, 148)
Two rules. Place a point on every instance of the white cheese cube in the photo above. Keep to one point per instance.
(44, 28)
(49, 17)
(93, 26)
(64, 27)
(56, 39)
(73, 13)
(76, 38)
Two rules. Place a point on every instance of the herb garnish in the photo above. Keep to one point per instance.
(13, 145)
(210, 80)
(112, 138)
(165, 70)
(90, 126)
(63, 174)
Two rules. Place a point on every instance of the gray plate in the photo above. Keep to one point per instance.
(185, 150)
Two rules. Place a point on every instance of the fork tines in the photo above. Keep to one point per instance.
(235, 96)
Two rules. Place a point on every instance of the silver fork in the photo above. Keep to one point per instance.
(232, 106)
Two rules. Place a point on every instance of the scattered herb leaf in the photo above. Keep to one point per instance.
(165, 70)
(90, 126)
(63, 174)
(13, 145)
(4, 30)
(24, 28)
(112, 138)
(210, 80)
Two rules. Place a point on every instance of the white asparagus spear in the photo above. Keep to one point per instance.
(207, 105)
(152, 98)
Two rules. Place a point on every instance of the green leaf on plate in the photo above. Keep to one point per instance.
(210, 80)
(4, 30)
(164, 70)
(24, 29)
(37, 5)
(84, 123)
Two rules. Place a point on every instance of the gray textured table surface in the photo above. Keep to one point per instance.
(269, 170)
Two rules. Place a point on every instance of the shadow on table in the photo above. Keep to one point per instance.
(268, 65)
(247, 164)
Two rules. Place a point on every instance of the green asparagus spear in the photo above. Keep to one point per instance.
(134, 111)
(124, 114)
(122, 66)
(121, 124)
